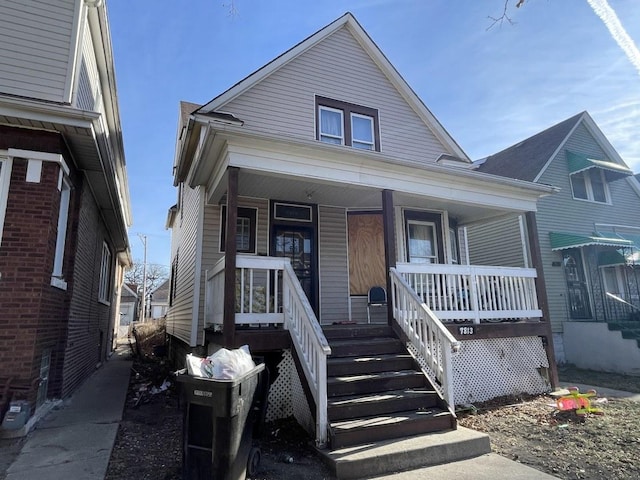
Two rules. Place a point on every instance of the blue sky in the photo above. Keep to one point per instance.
(489, 88)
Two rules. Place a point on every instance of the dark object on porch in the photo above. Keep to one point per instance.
(377, 297)
(219, 421)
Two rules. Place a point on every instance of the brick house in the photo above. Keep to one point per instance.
(64, 200)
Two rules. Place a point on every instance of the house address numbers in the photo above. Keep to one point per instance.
(466, 330)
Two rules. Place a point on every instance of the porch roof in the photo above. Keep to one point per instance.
(564, 240)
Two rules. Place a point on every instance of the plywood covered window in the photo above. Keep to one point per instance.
(366, 252)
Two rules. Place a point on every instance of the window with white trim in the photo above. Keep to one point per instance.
(57, 275)
(343, 123)
(104, 288)
(421, 242)
(5, 177)
(590, 185)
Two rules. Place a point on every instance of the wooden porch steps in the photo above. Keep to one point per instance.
(376, 391)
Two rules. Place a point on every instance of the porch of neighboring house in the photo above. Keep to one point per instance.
(450, 333)
(602, 274)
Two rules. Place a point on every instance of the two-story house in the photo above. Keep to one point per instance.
(334, 180)
(589, 236)
(64, 199)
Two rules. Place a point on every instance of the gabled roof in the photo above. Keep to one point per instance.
(349, 21)
(526, 159)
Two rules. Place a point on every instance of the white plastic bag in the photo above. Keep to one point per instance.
(194, 365)
(222, 365)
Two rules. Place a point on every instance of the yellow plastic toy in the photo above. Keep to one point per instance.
(580, 402)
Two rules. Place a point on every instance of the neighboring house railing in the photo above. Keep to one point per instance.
(268, 292)
(429, 337)
(476, 293)
(310, 345)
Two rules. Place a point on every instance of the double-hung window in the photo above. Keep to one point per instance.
(590, 185)
(245, 230)
(343, 123)
(104, 287)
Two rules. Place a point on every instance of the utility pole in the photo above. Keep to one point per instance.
(143, 239)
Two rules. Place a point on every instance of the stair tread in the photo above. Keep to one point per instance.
(380, 396)
(370, 376)
(368, 358)
(387, 420)
(363, 340)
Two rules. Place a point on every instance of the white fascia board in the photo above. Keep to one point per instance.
(48, 113)
(441, 182)
(43, 156)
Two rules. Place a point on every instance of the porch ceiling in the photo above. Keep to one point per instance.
(295, 189)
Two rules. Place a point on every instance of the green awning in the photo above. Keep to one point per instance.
(632, 255)
(564, 240)
(610, 258)
(613, 171)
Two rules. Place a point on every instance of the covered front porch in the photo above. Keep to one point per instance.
(311, 242)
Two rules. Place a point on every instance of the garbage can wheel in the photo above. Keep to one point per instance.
(255, 455)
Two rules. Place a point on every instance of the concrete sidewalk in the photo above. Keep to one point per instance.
(75, 440)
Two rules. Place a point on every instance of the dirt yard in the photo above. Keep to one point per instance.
(525, 429)
(531, 431)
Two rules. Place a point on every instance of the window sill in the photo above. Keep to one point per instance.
(58, 283)
(104, 302)
(595, 202)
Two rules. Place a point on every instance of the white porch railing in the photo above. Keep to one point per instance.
(466, 292)
(426, 333)
(310, 344)
(268, 292)
(258, 300)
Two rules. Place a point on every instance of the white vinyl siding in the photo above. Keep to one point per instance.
(496, 243)
(334, 273)
(89, 96)
(336, 68)
(37, 48)
(184, 244)
(560, 212)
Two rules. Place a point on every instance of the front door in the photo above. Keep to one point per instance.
(578, 294)
(297, 244)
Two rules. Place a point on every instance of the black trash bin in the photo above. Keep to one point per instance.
(219, 418)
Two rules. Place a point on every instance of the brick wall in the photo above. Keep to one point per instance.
(32, 311)
(36, 316)
(89, 319)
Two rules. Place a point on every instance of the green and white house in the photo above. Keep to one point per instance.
(589, 236)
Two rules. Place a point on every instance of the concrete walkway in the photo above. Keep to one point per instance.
(75, 440)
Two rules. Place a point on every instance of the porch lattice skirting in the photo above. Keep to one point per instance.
(489, 368)
(286, 396)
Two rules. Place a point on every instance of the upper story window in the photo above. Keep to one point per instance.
(343, 123)
(590, 185)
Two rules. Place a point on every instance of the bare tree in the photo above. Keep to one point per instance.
(156, 275)
(499, 20)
